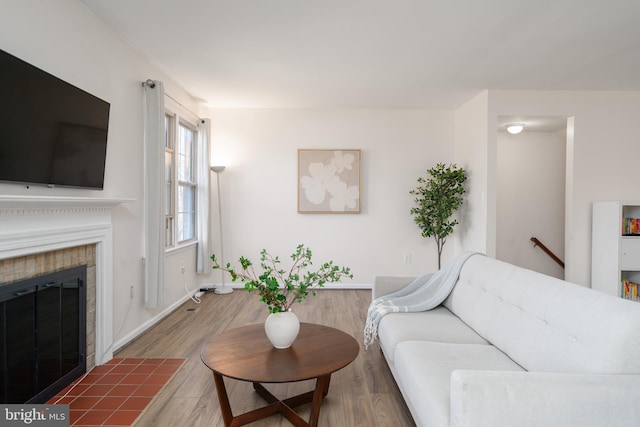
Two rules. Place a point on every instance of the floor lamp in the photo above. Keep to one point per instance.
(224, 289)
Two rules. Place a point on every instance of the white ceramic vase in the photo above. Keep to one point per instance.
(282, 328)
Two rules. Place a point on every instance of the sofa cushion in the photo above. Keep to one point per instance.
(546, 324)
(438, 325)
(543, 399)
(423, 373)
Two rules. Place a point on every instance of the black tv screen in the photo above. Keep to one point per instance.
(51, 132)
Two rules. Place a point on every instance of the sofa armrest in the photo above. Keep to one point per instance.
(492, 398)
(383, 285)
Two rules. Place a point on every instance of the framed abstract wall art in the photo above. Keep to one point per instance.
(329, 181)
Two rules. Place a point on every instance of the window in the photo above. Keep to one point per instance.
(180, 181)
(186, 184)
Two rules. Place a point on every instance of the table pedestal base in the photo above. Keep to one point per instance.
(284, 407)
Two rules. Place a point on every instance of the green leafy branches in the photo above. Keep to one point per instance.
(280, 288)
(438, 197)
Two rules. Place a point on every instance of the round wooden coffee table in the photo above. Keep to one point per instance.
(245, 354)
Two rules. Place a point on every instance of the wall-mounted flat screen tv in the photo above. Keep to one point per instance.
(51, 132)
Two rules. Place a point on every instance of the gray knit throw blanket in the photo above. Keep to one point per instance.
(424, 293)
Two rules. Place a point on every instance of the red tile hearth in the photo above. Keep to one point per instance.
(116, 393)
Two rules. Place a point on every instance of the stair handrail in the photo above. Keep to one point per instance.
(548, 251)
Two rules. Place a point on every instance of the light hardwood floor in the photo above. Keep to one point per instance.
(362, 394)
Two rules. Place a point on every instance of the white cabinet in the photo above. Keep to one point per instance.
(615, 250)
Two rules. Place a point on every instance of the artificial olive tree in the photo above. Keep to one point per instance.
(437, 197)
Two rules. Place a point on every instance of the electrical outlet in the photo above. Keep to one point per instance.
(407, 258)
(131, 291)
(181, 266)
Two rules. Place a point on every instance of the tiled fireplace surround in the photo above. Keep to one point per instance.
(44, 234)
(28, 266)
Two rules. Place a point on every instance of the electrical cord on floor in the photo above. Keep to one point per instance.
(193, 296)
(76, 382)
(124, 319)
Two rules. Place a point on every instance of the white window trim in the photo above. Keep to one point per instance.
(181, 115)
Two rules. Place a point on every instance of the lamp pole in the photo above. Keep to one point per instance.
(224, 289)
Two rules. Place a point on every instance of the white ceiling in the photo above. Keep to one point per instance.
(380, 53)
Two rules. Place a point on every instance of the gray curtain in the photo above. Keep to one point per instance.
(203, 263)
(154, 194)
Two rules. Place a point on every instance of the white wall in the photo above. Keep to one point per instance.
(530, 199)
(471, 139)
(602, 142)
(64, 39)
(259, 186)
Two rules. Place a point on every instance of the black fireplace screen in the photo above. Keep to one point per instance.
(42, 335)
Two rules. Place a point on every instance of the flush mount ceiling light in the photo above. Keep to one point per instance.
(515, 128)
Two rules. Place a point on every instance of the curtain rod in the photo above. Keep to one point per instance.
(152, 85)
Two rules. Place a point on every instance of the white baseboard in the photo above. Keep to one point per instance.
(346, 286)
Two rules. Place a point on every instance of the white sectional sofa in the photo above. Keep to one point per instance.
(512, 347)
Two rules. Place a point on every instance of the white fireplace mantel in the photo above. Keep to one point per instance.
(35, 224)
(20, 202)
